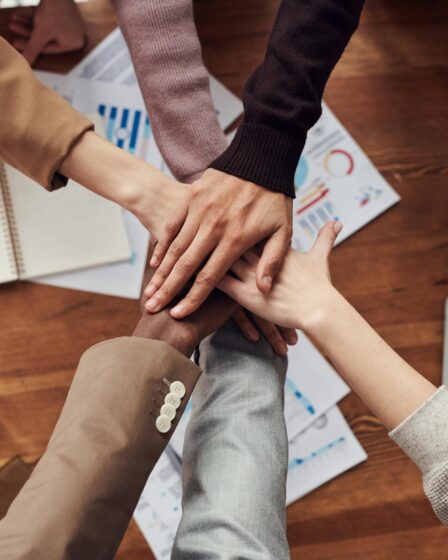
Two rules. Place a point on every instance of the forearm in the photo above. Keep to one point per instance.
(115, 174)
(390, 387)
(282, 98)
(174, 82)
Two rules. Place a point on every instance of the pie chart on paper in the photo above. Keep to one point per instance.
(339, 163)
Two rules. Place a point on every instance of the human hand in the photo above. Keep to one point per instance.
(301, 290)
(251, 326)
(53, 27)
(186, 334)
(226, 217)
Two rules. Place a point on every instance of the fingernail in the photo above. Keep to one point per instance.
(150, 290)
(281, 349)
(152, 304)
(292, 338)
(154, 261)
(337, 227)
(253, 335)
(178, 310)
(267, 282)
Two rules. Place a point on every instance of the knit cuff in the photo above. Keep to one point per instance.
(263, 156)
(423, 435)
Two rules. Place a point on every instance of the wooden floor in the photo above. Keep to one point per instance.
(391, 91)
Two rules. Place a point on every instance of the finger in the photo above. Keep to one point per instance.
(242, 269)
(24, 14)
(288, 335)
(35, 46)
(172, 228)
(272, 335)
(245, 325)
(182, 271)
(325, 240)
(235, 289)
(20, 29)
(252, 258)
(271, 260)
(175, 251)
(19, 44)
(217, 265)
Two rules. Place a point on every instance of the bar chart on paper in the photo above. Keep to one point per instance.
(129, 129)
(335, 180)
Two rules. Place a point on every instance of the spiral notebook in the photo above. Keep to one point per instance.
(47, 233)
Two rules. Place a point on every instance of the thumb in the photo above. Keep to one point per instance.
(271, 260)
(325, 239)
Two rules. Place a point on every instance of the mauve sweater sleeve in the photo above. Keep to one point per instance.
(165, 49)
(282, 98)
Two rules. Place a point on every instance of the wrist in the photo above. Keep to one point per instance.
(182, 338)
(324, 316)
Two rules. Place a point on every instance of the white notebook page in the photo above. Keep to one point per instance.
(69, 229)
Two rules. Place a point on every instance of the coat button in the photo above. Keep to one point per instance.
(178, 387)
(173, 399)
(163, 424)
(168, 410)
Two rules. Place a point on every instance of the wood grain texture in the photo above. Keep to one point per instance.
(390, 90)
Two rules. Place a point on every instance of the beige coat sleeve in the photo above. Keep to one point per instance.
(80, 498)
(38, 127)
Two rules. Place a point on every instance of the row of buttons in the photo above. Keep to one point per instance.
(169, 408)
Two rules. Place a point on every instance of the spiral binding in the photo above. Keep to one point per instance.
(8, 225)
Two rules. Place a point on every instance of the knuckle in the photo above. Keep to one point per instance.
(176, 250)
(220, 220)
(206, 278)
(185, 265)
(274, 262)
(171, 228)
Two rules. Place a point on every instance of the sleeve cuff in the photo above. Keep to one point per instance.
(263, 156)
(423, 435)
(69, 136)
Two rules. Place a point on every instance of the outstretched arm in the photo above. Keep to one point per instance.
(406, 402)
(81, 496)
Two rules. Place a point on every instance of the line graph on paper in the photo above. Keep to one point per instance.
(314, 455)
(299, 410)
(324, 450)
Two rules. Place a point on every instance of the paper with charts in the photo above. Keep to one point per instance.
(324, 450)
(335, 180)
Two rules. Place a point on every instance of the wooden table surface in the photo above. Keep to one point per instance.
(391, 91)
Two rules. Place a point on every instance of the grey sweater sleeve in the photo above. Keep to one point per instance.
(423, 436)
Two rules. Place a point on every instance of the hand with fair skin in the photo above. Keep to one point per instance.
(303, 297)
(153, 198)
(226, 217)
(54, 27)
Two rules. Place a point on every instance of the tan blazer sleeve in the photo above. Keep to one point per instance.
(81, 495)
(38, 127)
